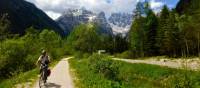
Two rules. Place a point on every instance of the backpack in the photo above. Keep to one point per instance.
(45, 59)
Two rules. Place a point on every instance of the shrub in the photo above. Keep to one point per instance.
(12, 57)
(126, 55)
(20, 54)
(104, 65)
(78, 55)
(86, 55)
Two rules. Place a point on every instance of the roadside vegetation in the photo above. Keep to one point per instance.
(24, 79)
(100, 71)
(18, 54)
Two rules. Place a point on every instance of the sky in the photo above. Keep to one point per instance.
(55, 8)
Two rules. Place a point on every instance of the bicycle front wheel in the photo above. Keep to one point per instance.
(41, 81)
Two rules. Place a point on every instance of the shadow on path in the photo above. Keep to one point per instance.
(52, 85)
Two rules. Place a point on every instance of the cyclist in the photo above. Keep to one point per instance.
(44, 61)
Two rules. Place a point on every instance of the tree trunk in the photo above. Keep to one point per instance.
(198, 46)
(187, 48)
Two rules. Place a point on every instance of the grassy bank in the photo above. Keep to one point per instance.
(97, 72)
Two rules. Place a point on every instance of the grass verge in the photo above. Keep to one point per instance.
(130, 75)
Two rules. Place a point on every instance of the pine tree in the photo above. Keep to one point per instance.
(137, 36)
(120, 44)
(173, 36)
(151, 30)
(137, 33)
(163, 31)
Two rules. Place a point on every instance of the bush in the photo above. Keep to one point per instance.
(104, 65)
(78, 55)
(86, 55)
(12, 58)
(56, 53)
(126, 55)
(20, 54)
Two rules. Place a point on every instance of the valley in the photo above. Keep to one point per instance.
(99, 44)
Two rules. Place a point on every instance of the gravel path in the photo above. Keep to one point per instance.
(60, 76)
(191, 64)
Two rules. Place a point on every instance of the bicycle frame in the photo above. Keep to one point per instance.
(43, 75)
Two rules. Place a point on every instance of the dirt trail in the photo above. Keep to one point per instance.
(191, 64)
(60, 76)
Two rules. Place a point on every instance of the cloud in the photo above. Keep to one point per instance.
(52, 7)
(56, 7)
(156, 5)
(53, 15)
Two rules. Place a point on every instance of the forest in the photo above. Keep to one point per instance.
(171, 33)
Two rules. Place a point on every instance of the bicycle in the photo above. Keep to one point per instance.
(43, 75)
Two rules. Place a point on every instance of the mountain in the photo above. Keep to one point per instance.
(120, 22)
(74, 17)
(23, 15)
(102, 23)
(117, 23)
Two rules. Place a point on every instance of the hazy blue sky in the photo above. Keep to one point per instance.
(54, 8)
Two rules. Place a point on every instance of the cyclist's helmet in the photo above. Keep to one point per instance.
(43, 52)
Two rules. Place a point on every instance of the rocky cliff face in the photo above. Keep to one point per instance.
(101, 21)
(74, 17)
(117, 23)
(120, 22)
